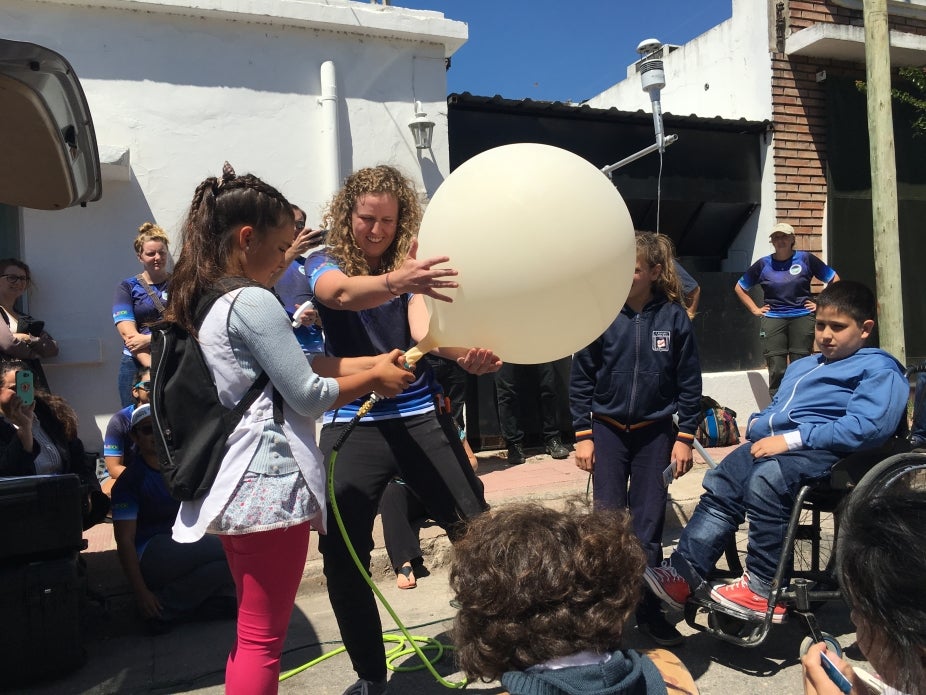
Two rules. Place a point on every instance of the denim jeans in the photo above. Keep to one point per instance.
(127, 370)
(762, 489)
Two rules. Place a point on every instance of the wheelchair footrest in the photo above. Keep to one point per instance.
(737, 627)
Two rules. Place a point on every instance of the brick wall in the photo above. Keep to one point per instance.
(799, 115)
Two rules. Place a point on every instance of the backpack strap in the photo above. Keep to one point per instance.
(205, 303)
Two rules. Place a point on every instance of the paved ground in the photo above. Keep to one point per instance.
(123, 659)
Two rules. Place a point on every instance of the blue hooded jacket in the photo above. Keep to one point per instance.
(840, 406)
(644, 367)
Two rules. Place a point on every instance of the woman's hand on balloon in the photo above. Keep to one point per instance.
(585, 454)
(480, 361)
(388, 378)
(420, 277)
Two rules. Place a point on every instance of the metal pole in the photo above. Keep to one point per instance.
(883, 179)
(666, 141)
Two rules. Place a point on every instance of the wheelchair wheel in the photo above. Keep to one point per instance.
(814, 546)
(832, 644)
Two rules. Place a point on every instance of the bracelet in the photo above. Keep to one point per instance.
(389, 287)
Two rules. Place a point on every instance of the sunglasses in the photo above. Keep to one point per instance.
(13, 279)
(300, 225)
(146, 385)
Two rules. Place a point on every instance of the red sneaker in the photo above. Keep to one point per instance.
(739, 596)
(667, 584)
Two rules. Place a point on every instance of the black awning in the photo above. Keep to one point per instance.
(711, 177)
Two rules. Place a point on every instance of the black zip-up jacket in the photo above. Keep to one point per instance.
(643, 368)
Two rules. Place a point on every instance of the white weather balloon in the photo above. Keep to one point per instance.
(545, 249)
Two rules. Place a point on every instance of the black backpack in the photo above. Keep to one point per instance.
(190, 423)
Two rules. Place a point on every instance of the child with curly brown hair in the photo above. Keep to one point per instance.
(544, 596)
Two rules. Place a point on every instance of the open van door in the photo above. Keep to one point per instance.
(48, 151)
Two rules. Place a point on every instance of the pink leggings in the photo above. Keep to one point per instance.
(267, 567)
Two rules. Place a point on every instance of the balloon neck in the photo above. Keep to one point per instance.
(416, 353)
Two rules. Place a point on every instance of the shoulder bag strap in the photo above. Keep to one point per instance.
(159, 305)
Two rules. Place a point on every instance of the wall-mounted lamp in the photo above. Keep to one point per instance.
(422, 129)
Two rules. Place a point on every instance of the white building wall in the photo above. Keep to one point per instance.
(184, 90)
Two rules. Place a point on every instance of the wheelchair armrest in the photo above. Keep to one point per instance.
(847, 472)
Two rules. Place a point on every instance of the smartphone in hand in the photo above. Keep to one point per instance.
(668, 475)
(835, 674)
(25, 388)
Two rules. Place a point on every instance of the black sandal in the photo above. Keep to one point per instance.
(405, 577)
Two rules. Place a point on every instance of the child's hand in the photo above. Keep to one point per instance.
(681, 454)
(817, 682)
(389, 379)
(769, 446)
(585, 454)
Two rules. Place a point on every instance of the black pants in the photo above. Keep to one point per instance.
(401, 510)
(426, 452)
(509, 402)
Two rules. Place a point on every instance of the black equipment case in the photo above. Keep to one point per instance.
(40, 603)
(40, 515)
(41, 584)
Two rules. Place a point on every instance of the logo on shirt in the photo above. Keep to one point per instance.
(661, 340)
(795, 269)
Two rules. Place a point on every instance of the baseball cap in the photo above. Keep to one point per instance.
(781, 228)
(140, 413)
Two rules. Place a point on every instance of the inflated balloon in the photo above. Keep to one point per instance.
(545, 249)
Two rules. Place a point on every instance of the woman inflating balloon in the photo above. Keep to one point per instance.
(370, 290)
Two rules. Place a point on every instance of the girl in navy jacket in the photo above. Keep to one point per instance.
(624, 389)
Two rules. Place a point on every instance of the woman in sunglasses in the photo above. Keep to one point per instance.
(117, 443)
(22, 337)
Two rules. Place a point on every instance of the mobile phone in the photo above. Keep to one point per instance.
(25, 387)
(835, 674)
(668, 475)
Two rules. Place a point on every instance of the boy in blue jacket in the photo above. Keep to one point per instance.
(847, 398)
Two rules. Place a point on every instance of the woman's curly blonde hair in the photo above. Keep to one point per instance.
(149, 231)
(337, 218)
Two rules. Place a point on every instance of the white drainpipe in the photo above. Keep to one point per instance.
(331, 143)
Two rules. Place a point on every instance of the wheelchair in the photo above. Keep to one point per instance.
(810, 541)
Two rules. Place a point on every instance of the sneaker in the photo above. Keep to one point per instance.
(556, 449)
(515, 454)
(667, 584)
(661, 631)
(739, 596)
(365, 687)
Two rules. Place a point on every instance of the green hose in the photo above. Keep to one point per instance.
(407, 644)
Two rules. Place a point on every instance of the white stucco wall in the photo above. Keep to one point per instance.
(184, 90)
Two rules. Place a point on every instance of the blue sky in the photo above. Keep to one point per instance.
(559, 50)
